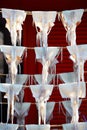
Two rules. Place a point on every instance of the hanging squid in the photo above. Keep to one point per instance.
(75, 107)
(45, 110)
(44, 21)
(41, 105)
(71, 19)
(78, 54)
(12, 90)
(48, 59)
(41, 95)
(72, 91)
(45, 71)
(13, 56)
(15, 20)
(71, 107)
(20, 79)
(21, 111)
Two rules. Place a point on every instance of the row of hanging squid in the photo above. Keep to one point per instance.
(44, 21)
(73, 88)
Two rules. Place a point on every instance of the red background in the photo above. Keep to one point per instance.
(55, 38)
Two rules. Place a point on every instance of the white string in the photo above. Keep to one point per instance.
(60, 107)
(57, 78)
(35, 82)
(31, 79)
(61, 54)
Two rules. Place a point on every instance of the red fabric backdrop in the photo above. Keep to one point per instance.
(55, 38)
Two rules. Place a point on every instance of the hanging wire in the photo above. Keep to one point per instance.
(30, 12)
